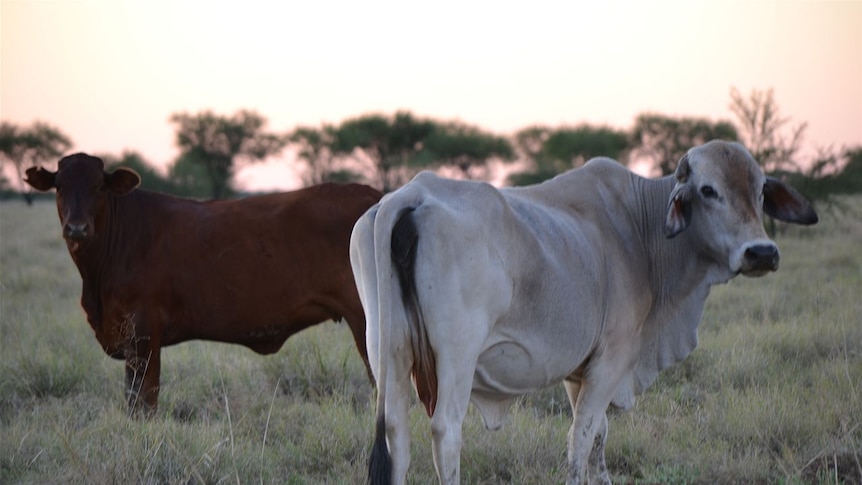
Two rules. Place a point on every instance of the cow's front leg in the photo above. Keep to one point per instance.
(588, 433)
(143, 365)
(586, 448)
(598, 467)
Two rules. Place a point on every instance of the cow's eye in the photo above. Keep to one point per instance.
(708, 192)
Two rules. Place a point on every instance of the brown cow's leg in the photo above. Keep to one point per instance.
(134, 381)
(357, 327)
(143, 365)
(150, 389)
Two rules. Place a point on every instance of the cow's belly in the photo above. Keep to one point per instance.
(512, 368)
(507, 369)
(519, 358)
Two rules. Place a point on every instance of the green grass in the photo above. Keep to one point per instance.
(773, 394)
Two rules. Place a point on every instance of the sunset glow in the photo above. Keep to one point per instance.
(109, 73)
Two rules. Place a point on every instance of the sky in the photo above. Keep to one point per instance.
(110, 73)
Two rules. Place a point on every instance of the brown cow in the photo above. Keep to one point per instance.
(158, 270)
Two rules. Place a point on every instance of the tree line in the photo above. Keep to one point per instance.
(385, 151)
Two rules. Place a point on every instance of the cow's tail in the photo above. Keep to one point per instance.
(405, 236)
(380, 462)
(401, 325)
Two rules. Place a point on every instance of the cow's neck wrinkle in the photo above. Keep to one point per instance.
(675, 269)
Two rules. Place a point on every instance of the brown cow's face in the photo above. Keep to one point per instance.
(82, 190)
(722, 194)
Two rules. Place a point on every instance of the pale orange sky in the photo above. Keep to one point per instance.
(110, 73)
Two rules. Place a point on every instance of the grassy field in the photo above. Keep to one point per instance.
(773, 394)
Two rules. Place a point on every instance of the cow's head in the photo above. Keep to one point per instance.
(721, 194)
(83, 187)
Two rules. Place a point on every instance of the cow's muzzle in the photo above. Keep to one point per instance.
(759, 259)
(76, 232)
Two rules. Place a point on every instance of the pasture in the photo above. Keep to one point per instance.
(773, 393)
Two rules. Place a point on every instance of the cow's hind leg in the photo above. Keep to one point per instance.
(397, 419)
(453, 399)
(456, 365)
(356, 322)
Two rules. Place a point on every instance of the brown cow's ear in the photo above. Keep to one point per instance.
(122, 181)
(678, 211)
(784, 203)
(40, 179)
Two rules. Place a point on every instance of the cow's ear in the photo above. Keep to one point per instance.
(678, 210)
(40, 179)
(122, 181)
(683, 169)
(784, 203)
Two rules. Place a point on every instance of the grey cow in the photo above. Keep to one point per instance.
(596, 278)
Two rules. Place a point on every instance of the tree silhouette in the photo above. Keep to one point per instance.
(150, 178)
(763, 132)
(828, 174)
(849, 179)
(219, 143)
(663, 140)
(390, 150)
(386, 147)
(553, 151)
(23, 147)
(190, 177)
(464, 147)
(315, 150)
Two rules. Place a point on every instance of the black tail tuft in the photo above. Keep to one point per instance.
(404, 237)
(380, 463)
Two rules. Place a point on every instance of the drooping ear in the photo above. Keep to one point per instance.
(40, 179)
(678, 210)
(122, 180)
(784, 203)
